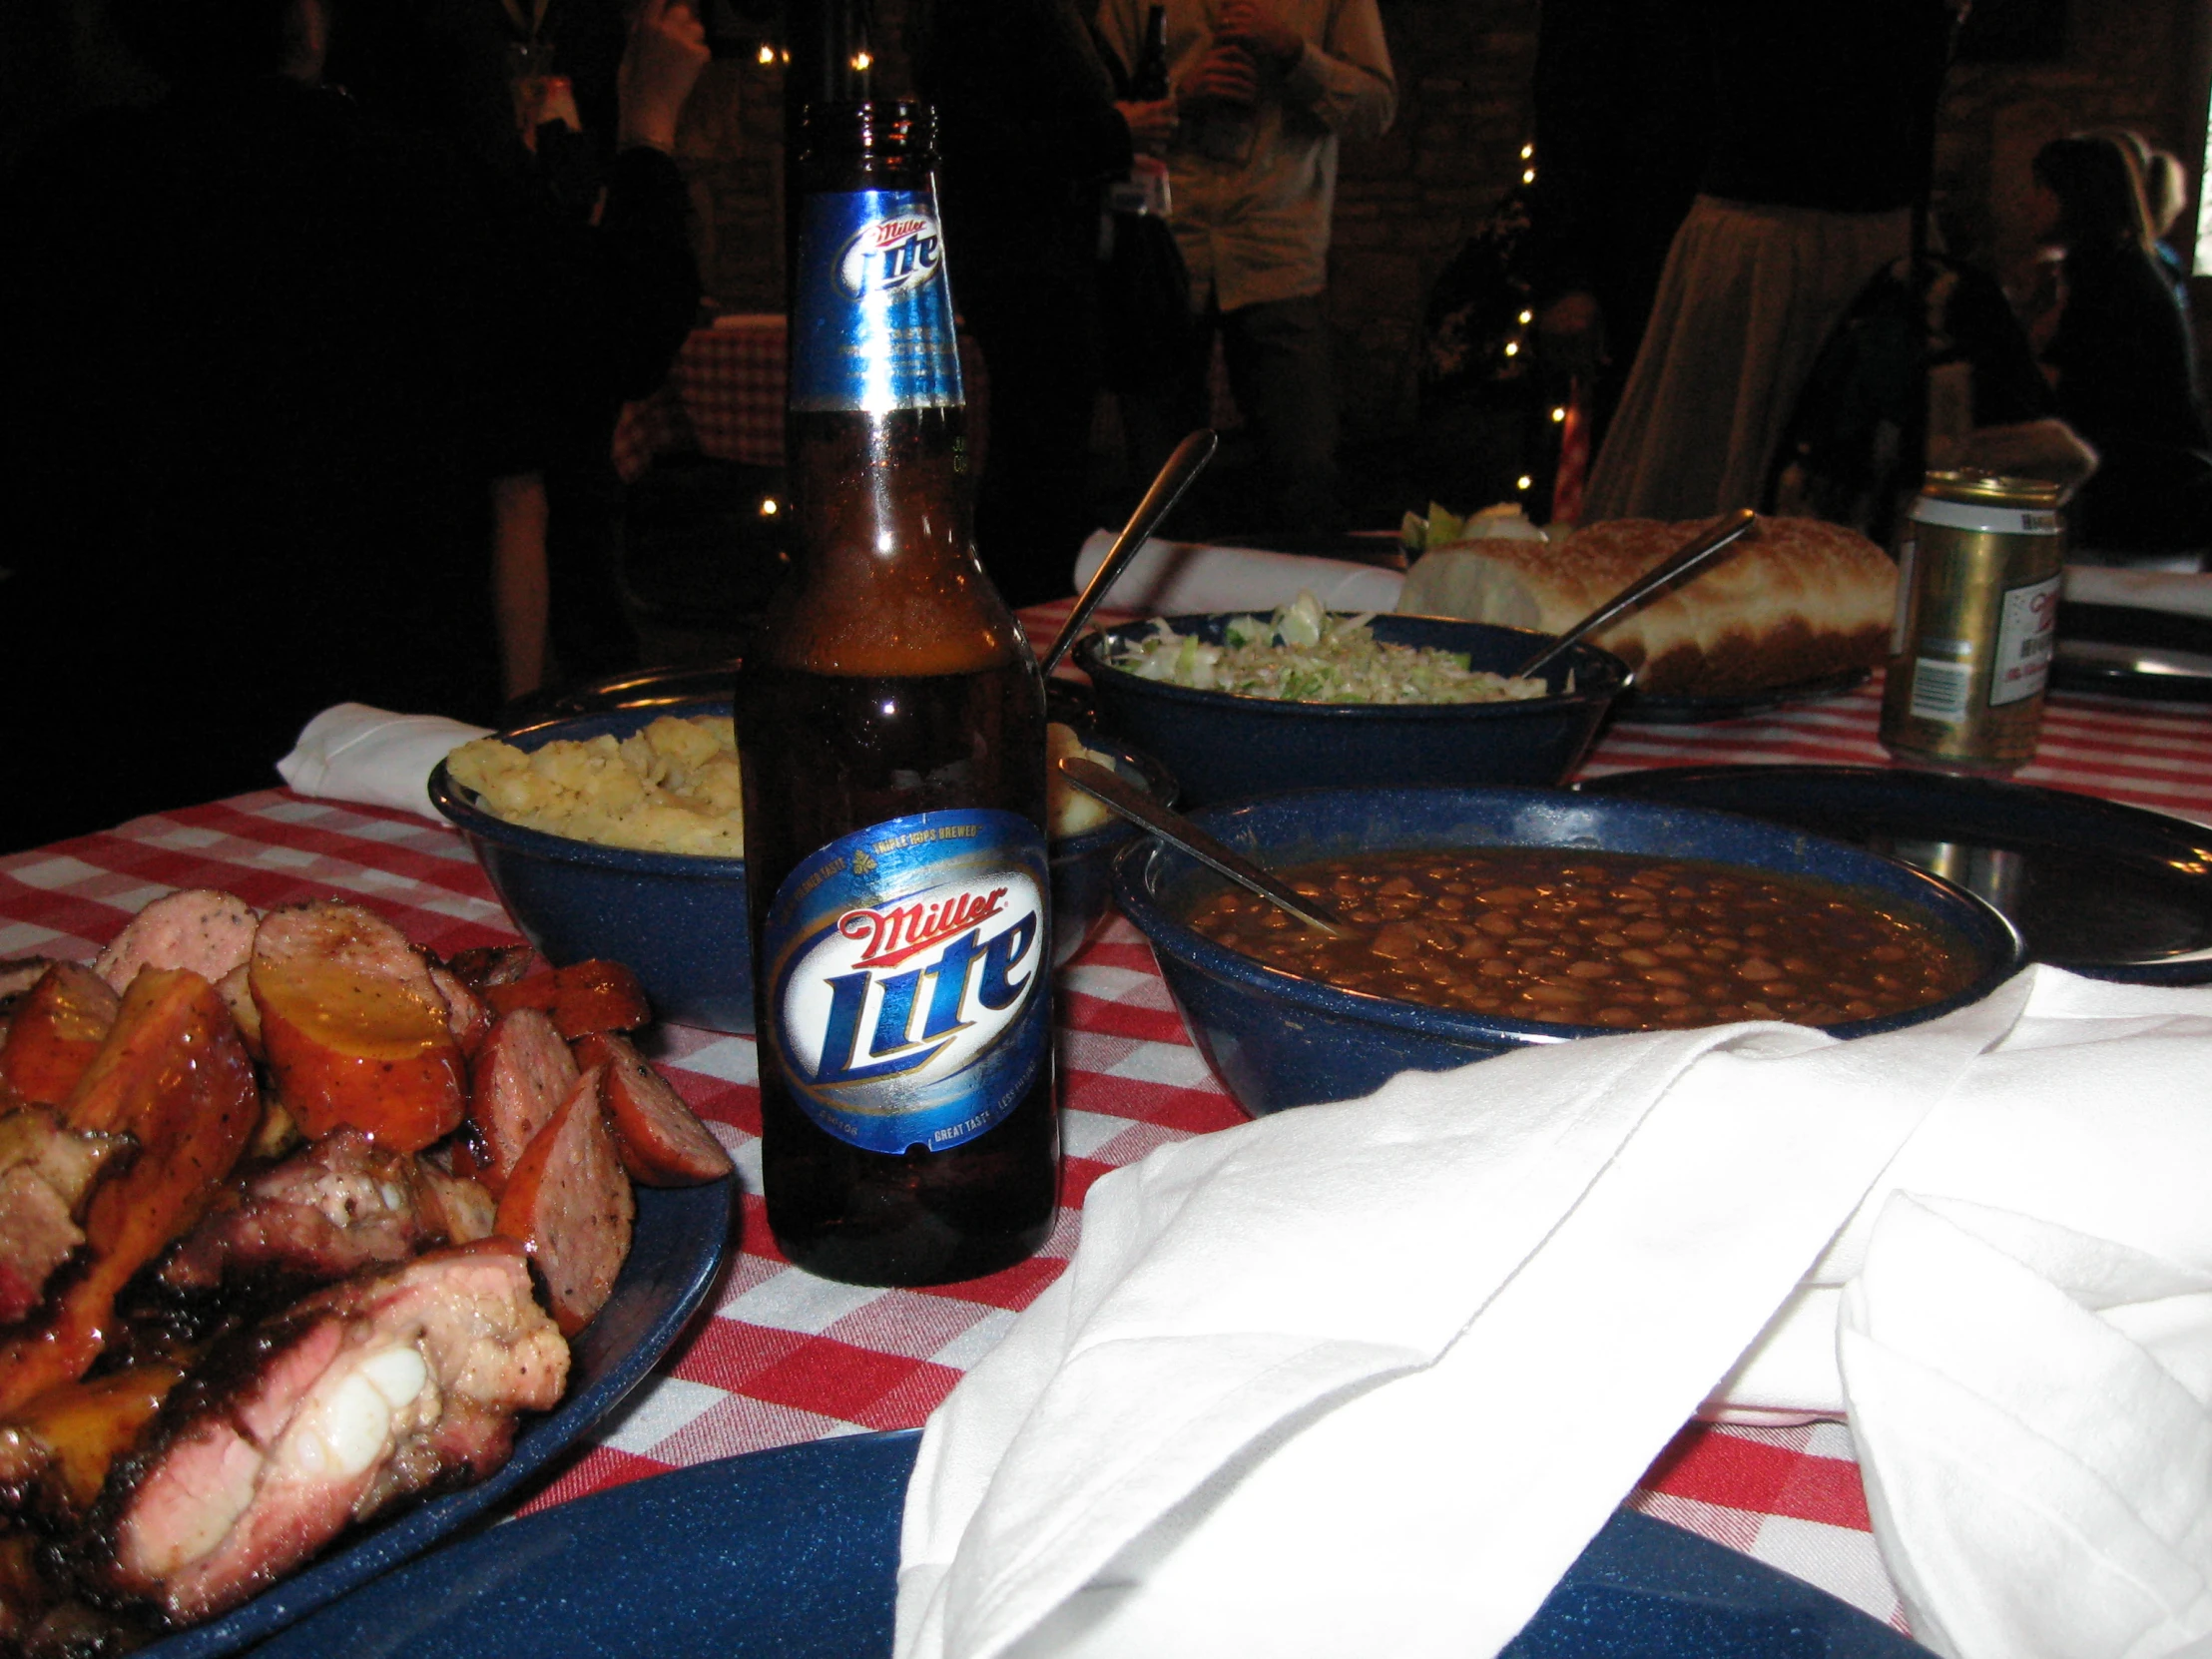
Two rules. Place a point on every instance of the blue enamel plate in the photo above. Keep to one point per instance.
(793, 1555)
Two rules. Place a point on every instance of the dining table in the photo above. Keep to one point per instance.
(778, 1357)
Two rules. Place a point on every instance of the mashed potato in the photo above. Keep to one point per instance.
(671, 788)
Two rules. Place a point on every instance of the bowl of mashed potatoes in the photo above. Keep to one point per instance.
(619, 833)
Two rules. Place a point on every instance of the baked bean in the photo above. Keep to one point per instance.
(1610, 942)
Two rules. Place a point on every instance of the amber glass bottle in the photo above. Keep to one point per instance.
(891, 721)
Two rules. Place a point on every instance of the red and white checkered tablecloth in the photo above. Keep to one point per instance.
(783, 1356)
(724, 398)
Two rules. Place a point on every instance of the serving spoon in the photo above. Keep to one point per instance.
(1677, 566)
(1177, 830)
(1188, 462)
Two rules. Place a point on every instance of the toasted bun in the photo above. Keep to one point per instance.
(1796, 599)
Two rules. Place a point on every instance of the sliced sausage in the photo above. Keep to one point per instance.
(661, 1140)
(466, 1013)
(570, 1206)
(56, 1031)
(355, 1029)
(490, 965)
(582, 998)
(200, 929)
(522, 1075)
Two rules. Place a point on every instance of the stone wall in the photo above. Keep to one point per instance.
(1407, 201)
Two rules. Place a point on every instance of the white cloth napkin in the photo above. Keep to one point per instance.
(2110, 1139)
(1367, 1378)
(2031, 1410)
(373, 757)
(1174, 578)
(2184, 592)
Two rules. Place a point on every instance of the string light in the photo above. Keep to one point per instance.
(1558, 415)
(1512, 348)
(1528, 152)
(1524, 481)
(770, 506)
(861, 60)
(767, 53)
(1528, 316)
(1528, 175)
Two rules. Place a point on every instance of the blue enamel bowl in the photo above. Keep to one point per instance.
(1276, 1040)
(677, 921)
(1222, 747)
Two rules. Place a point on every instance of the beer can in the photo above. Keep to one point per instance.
(1979, 565)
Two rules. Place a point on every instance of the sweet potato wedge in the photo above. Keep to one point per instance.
(59, 1026)
(570, 1206)
(661, 1140)
(175, 1077)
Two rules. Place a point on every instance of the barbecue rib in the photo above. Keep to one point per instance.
(364, 1393)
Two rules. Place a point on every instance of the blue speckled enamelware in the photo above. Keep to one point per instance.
(793, 1555)
(678, 923)
(1223, 748)
(1276, 1040)
(1082, 865)
(678, 1244)
(2095, 887)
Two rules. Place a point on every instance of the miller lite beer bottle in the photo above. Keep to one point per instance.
(892, 723)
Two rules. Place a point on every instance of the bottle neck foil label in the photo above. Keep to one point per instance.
(910, 969)
(874, 316)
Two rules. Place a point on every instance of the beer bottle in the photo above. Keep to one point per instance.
(891, 721)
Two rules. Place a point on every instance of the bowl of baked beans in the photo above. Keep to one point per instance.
(1485, 919)
(1232, 745)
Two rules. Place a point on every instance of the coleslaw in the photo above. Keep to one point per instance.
(1302, 654)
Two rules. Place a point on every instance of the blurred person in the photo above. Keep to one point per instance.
(2114, 345)
(1029, 133)
(260, 383)
(1822, 125)
(1264, 90)
(597, 220)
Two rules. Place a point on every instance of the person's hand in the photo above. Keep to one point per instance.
(1150, 125)
(1226, 75)
(659, 66)
(1254, 26)
(1571, 331)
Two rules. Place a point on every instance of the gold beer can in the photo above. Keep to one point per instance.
(1979, 563)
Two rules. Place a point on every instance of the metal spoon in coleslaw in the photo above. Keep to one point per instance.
(1302, 654)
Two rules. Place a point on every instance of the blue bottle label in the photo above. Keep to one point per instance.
(909, 965)
(874, 310)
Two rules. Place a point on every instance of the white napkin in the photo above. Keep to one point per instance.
(2113, 1140)
(2031, 1410)
(1366, 1378)
(373, 757)
(1175, 578)
(2185, 593)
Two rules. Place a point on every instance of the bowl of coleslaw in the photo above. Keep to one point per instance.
(1240, 706)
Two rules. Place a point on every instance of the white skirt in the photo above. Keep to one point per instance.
(1747, 299)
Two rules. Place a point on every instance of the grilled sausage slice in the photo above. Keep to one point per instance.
(661, 1140)
(569, 1205)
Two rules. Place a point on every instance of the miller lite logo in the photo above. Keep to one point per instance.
(911, 965)
(891, 256)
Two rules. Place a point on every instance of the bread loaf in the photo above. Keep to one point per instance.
(1796, 599)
